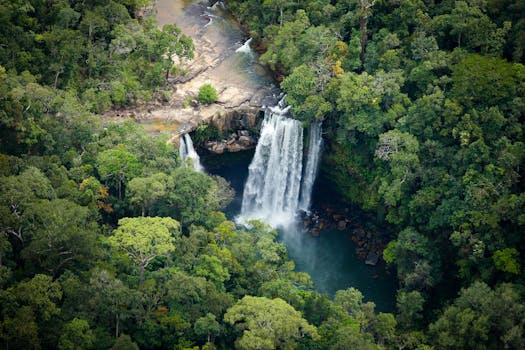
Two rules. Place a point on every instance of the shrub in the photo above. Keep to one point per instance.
(207, 94)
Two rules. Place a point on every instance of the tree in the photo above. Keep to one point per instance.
(110, 301)
(124, 342)
(146, 190)
(27, 309)
(145, 238)
(171, 42)
(369, 102)
(17, 193)
(384, 326)
(192, 195)
(418, 265)
(62, 232)
(267, 324)
(207, 326)
(409, 307)
(481, 318)
(76, 335)
(365, 7)
(118, 165)
(303, 94)
(212, 268)
(507, 260)
(400, 150)
(284, 52)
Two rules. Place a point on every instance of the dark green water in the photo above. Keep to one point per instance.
(329, 259)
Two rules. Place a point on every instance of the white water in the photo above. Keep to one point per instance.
(272, 191)
(312, 165)
(245, 48)
(186, 151)
(217, 4)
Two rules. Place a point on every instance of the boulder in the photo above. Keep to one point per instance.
(218, 148)
(341, 225)
(359, 233)
(235, 147)
(372, 259)
(246, 141)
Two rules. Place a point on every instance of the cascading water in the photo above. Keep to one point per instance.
(272, 191)
(245, 48)
(312, 164)
(187, 151)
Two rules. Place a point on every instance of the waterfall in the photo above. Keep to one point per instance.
(245, 48)
(186, 151)
(273, 187)
(312, 164)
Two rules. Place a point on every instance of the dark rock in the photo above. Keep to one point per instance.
(341, 225)
(360, 233)
(315, 232)
(372, 259)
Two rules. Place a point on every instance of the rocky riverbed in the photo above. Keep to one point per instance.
(222, 59)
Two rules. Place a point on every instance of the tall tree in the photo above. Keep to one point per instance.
(365, 9)
(118, 166)
(267, 324)
(145, 238)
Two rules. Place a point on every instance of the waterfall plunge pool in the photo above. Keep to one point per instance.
(329, 259)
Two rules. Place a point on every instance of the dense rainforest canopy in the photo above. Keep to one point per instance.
(108, 241)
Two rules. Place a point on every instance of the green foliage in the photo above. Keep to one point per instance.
(76, 335)
(207, 94)
(117, 166)
(267, 323)
(124, 342)
(507, 260)
(145, 239)
(145, 191)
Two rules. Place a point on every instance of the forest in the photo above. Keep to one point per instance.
(109, 241)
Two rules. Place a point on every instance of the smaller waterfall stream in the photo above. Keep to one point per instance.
(312, 165)
(245, 48)
(187, 151)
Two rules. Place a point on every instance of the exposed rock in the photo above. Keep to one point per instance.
(372, 259)
(341, 225)
(246, 141)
